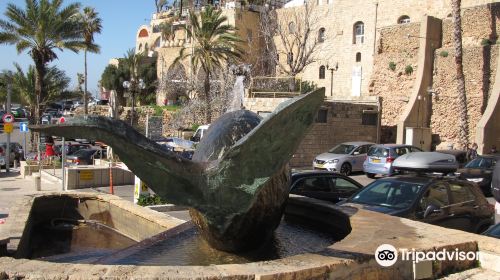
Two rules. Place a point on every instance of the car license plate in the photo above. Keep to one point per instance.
(375, 160)
(320, 166)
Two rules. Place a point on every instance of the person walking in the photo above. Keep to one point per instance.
(472, 152)
(49, 148)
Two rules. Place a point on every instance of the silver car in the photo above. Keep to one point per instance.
(344, 158)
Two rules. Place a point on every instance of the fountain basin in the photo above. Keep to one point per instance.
(350, 258)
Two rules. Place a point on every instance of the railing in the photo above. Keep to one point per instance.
(275, 87)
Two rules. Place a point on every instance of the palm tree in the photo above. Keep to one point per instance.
(91, 24)
(133, 61)
(214, 43)
(463, 133)
(40, 29)
(55, 82)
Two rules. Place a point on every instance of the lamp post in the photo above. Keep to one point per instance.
(132, 87)
(334, 68)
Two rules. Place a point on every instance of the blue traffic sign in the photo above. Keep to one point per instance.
(23, 127)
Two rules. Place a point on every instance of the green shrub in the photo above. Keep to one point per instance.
(195, 126)
(487, 42)
(392, 65)
(408, 69)
(443, 53)
(147, 199)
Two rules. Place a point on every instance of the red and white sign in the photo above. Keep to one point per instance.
(8, 118)
(62, 120)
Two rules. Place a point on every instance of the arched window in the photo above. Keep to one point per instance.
(146, 47)
(140, 47)
(322, 72)
(319, 2)
(403, 19)
(143, 33)
(321, 35)
(291, 27)
(157, 43)
(358, 57)
(358, 33)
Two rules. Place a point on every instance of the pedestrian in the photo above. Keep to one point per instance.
(493, 149)
(472, 152)
(49, 148)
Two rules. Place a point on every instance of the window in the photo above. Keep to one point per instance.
(321, 35)
(460, 194)
(403, 19)
(289, 58)
(344, 186)
(322, 72)
(313, 184)
(140, 47)
(369, 118)
(143, 33)
(291, 27)
(359, 33)
(402, 151)
(319, 2)
(358, 57)
(322, 116)
(437, 195)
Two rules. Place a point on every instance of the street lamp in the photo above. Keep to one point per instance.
(132, 86)
(334, 68)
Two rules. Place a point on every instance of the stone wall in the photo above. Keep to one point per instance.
(343, 124)
(394, 86)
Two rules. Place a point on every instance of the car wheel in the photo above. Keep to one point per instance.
(345, 169)
(370, 175)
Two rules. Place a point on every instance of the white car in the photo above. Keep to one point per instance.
(344, 158)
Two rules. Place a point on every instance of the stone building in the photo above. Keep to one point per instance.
(396, 55)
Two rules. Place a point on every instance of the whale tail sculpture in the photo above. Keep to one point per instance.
(237, 183)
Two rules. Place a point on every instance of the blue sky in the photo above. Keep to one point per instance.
(121, 20)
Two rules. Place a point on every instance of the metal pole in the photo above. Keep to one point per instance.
(25, 146)
(63, 161)
(133, 103)
(9, 93)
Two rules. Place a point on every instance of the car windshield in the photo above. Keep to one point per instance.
(378, 152)
(83, 153)
(342, 149)
(481, 162)
(388, 193)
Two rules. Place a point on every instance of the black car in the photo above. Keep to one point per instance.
(493, 231)
(324, 185)
(16, 151)
(480, 171)
(443, 201)
(70, 148)
(84, 157)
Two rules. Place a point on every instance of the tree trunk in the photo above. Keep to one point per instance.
(39, 86)
(463, 133)
(85, 102)
(208, 112)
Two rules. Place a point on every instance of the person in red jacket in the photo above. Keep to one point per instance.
(49, 148)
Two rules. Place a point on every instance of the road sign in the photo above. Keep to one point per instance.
(8, 118)
(62, 120)
(8, 127)
(23, 127)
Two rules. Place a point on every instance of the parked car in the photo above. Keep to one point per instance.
(380, 158)
(84, 157)
(18, 113)
(16, 152)
(67, 105)
(442, 201)
(324, 185)
(344, 158)
(200, 132)
(460, 156)
(480, 171)
(70, 148)
(493, 231)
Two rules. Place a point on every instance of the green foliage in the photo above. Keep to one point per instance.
(307, 86)
(408, 69)
(195, 126)
(443, 53)
(392, 65)
(147, 199)
(487, 42)
(159, 109)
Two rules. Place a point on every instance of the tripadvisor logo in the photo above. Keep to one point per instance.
(387, 255)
